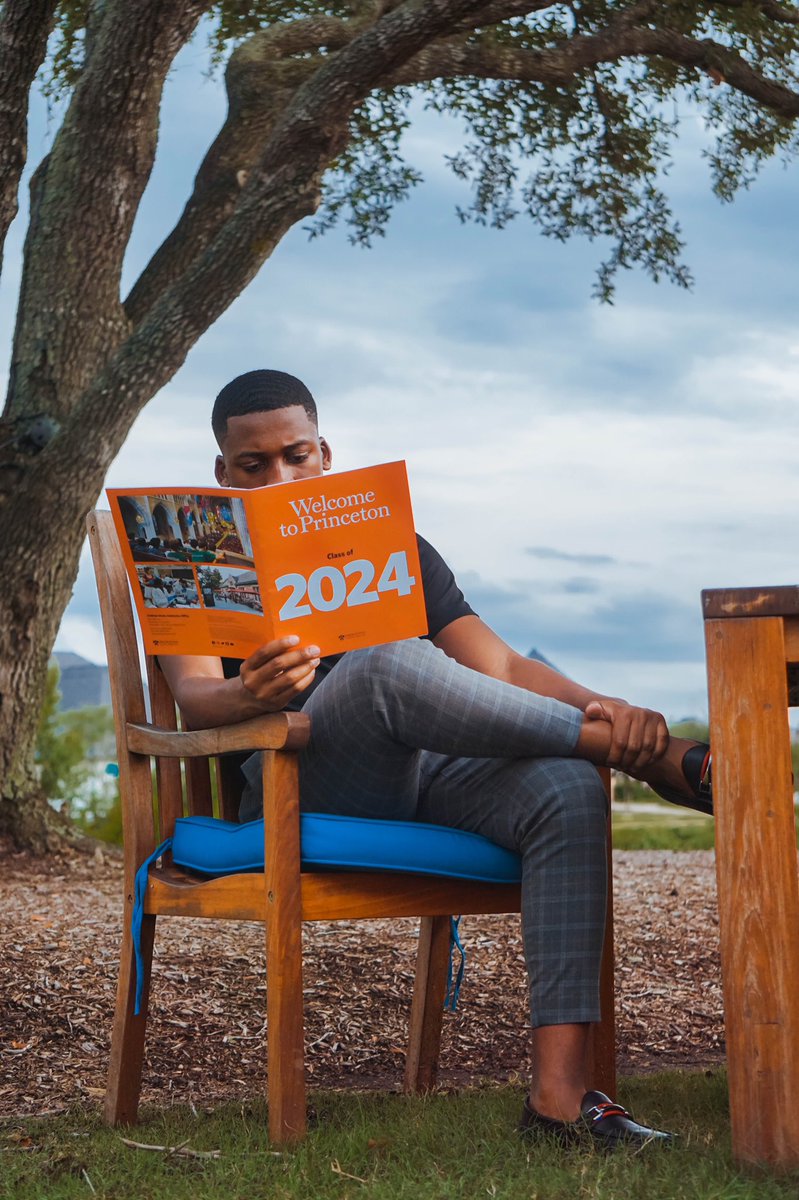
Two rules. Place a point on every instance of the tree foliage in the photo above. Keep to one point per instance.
(65, 744)
(567, 113)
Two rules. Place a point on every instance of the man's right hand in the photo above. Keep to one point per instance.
(278, 671)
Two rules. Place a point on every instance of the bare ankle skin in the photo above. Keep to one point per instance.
(559, 1079)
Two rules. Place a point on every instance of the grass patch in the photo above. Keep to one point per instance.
(669, 829)
(663, 827)
(390, 1148)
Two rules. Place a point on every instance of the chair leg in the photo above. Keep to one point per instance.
(127, 1038)
(284, 1002)
(602, 1040)
(284, 1025)
(427, 1008)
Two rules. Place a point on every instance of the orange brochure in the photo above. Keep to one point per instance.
(221, 571)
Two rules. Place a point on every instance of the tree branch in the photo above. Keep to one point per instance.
(497, 11)
(24, 29)
(306, 135)
(297, 37)
(557, 68)
(770, 8)
(261, 79)
(282, 188)
(260, 82)
(84, 198)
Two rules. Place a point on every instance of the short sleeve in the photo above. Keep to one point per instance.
(443, 599)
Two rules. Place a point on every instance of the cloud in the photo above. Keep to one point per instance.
(585, 470)
(644, 625)
(580, 585)
(584, 560)
(81, 636)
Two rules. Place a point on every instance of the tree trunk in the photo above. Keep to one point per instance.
(42, 534)
(83, 365)
(24, 28)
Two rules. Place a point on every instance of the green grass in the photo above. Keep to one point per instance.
(669, 829)
(391, 1148)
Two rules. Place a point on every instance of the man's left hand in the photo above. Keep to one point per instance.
(639, 735)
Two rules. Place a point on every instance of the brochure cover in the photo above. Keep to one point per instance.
(221, 571)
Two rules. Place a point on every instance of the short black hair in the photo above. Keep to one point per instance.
(259, 391)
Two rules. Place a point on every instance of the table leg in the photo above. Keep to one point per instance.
(756, 868)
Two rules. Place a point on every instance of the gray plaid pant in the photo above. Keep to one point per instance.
(402, 731)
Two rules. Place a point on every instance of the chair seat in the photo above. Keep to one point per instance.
(215, 847)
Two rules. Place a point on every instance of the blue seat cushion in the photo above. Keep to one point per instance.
(216, 847)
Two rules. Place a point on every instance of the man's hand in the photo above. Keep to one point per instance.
(277, 672)
(639, 736)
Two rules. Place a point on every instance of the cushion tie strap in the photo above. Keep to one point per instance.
(139, 888)
(454, 985)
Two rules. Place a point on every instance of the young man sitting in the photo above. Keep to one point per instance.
(455, 729)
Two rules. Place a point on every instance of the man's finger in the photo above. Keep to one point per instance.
(276, 665)
(270, 651)
(291, 685)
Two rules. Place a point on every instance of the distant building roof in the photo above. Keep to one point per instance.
(539, 657)
(81, 682)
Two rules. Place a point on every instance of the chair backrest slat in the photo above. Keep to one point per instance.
(196, 772)
(230, 782)
(127, 691)
(169, 780)
(181, 785)
(198, 784)
(124, 666)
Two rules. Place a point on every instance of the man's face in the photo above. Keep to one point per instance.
(271, 447)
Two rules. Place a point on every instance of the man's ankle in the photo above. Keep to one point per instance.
(557, 1104)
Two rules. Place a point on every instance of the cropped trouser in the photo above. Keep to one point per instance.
(402, 731)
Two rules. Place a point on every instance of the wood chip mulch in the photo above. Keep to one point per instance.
(206, 1032)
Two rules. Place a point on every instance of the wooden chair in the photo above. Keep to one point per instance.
(283, 897)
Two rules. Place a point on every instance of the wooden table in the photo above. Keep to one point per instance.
(752, 638)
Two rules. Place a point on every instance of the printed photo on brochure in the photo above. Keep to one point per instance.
(221, 571)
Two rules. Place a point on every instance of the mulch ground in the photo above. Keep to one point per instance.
(206, 1034)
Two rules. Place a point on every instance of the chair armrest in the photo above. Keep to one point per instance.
(272, 731)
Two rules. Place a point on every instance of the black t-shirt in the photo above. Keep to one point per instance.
(444, 603)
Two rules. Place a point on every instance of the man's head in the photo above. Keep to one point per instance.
(266, 426)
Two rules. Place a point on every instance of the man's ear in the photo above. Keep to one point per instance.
(220, 471)
(327, 455)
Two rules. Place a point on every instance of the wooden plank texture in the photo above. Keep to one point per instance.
(602, 1039)
(284, 1004)
(757, 883)
(340, 895)
(727, 603)
(127, 693)
(327, 896)
(270, 732)
(427, 1007)
(168, 777)
(126, 1059)
(790, 627)
(200, 801)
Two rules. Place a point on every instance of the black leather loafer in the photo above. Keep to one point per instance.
(602, 1123)
(564, 1133)
(697, 769)
(610, 1125)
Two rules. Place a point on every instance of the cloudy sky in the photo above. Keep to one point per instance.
(586, 470)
